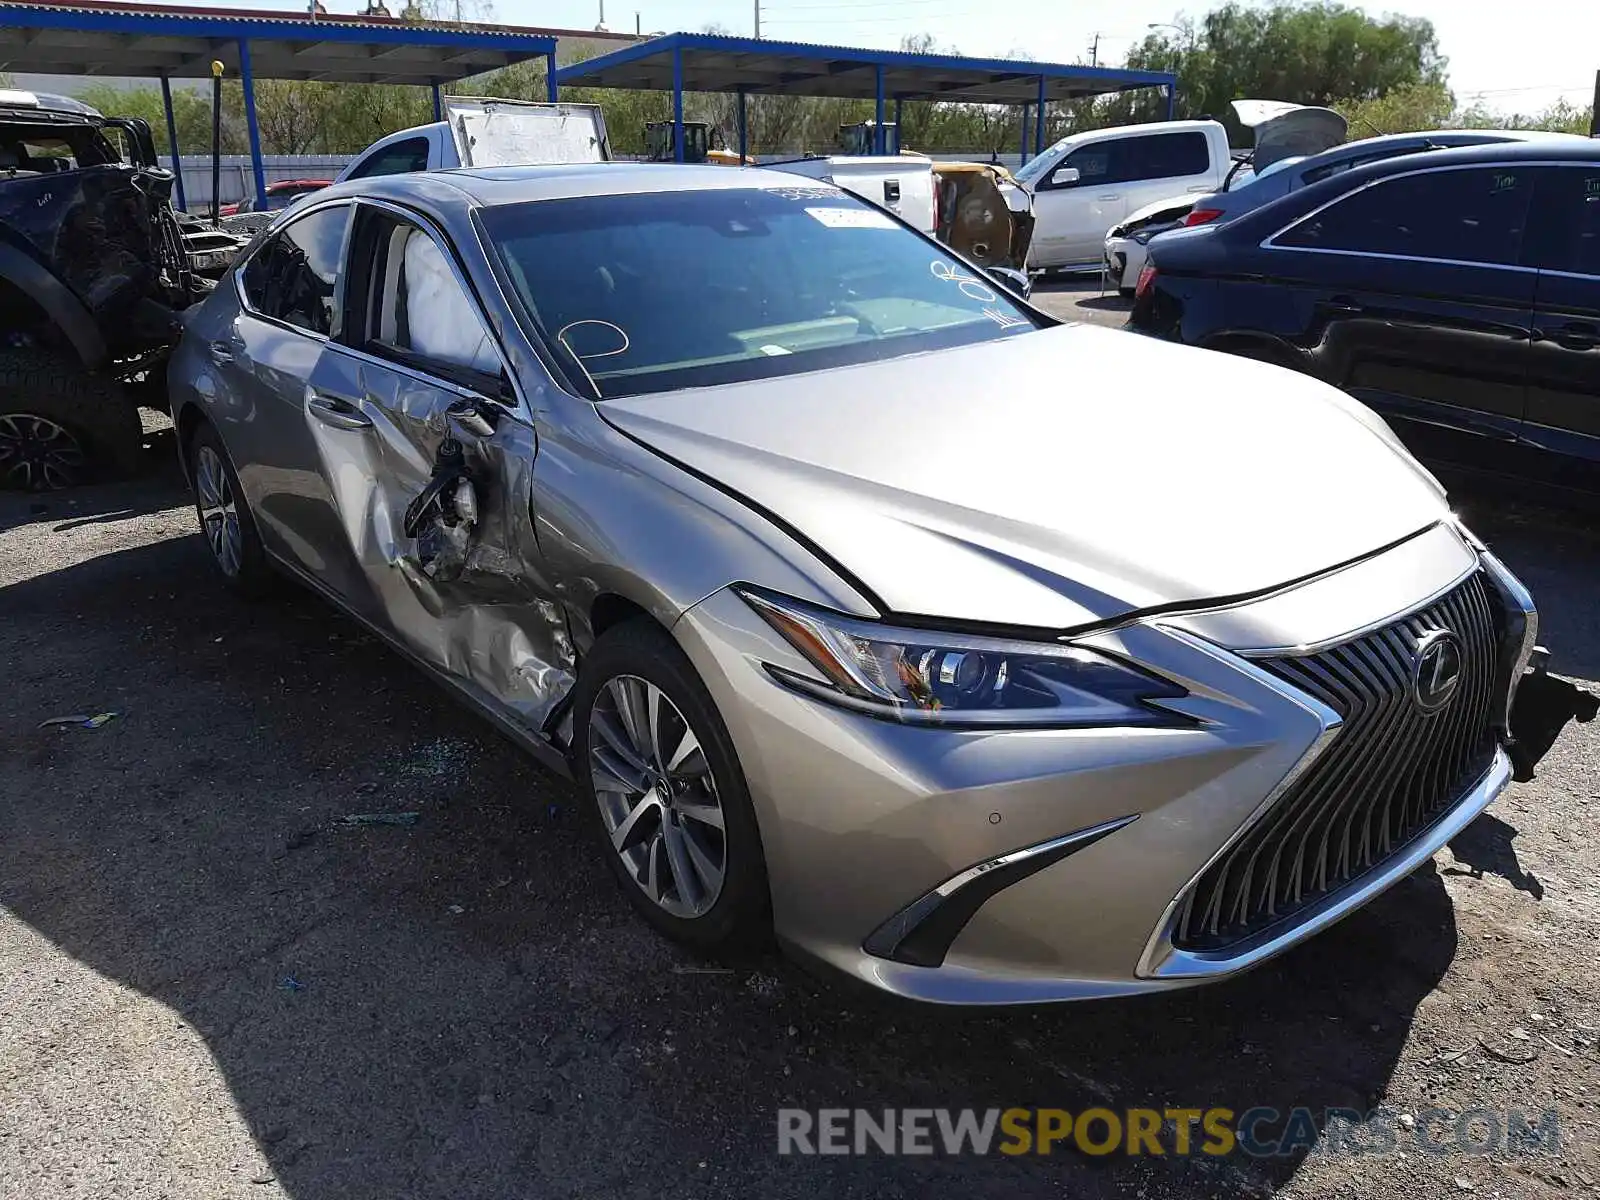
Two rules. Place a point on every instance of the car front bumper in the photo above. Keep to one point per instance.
(1010, 866)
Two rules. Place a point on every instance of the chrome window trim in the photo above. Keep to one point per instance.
(1270, 241)
(275, 231)
(446, 247)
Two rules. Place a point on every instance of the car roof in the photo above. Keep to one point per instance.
(24, 105)
(1548, 149)
(494, 186)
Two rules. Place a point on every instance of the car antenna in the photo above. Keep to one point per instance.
(1374, 128)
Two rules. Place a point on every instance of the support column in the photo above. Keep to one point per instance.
(552, 89)
(1043, 118)
(877, 129)
(172, 141)
(1172, 101)
(249, 81)
(744, 139)
(899, 108)
(1023, 142)
(438, 104)
(677, 105)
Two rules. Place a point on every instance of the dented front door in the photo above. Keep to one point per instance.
(462, 584)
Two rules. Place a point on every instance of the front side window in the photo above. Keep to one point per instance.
(666, 290)
(1565, 235)
(398, 159)
(419, 313)
(1476, 216)
(291, 277)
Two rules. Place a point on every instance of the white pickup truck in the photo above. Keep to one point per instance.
(902, 183)
(1088, 182)
(482, 132)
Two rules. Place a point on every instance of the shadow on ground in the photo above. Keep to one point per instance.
(466, 1008)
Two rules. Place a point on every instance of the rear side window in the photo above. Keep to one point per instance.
(291, 277)
(1475, 216)
(398, 159)
(1162, 156)
(1565, 233)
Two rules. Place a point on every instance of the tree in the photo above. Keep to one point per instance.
(1315, 53)
(191, 111)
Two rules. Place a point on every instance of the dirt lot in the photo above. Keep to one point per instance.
(208, 989)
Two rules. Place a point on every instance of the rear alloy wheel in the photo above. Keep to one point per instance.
(657, 796)
(39, 455)
(670, 806)
(225, 519)
(219, 512)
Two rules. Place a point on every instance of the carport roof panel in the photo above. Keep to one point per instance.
(713, 63)
(151, 41)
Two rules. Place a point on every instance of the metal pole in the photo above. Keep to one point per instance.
(246, 78)
(1594, 121)
(172, 141)
(1172, 98)
(1023, 146)
(216, 140)
(758, 20)
(1043, 116)
(877, 129)
(743, 127)
(438, 104)
(677, 104)
(552, 89)
(898, 110)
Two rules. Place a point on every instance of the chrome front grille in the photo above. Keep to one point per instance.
(1391, 770)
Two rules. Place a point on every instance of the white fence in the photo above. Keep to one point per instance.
(237, 181)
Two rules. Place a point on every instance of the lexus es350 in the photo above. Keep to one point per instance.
(865, 603)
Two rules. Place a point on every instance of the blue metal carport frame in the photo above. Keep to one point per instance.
(166, 45)
(745, 66)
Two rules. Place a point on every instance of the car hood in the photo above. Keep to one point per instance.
(1282, 129)
(1054, 479)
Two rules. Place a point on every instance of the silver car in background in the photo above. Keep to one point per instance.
(866, 604)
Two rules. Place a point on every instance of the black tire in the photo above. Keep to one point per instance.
(246, 568)
(94, 409)
(740, 919)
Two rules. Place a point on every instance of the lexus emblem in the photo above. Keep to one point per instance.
(1437, 672)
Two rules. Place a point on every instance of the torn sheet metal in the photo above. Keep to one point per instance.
(468, 592)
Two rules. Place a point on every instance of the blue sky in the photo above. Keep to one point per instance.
(1519, 57)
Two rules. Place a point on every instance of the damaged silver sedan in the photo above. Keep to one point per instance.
(866, 604)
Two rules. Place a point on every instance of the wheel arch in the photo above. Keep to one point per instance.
(1263, 347)
(44, 292)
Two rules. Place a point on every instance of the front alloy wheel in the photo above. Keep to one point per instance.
(657, 796)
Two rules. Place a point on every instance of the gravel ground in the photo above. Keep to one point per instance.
(209, 989)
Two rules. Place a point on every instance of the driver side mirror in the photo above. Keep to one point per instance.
(1065, 177)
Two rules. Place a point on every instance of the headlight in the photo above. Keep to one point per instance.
(954, 679)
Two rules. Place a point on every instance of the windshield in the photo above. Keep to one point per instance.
(1034, 167)
(667, 290)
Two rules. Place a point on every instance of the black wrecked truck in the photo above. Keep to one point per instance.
(95, 267)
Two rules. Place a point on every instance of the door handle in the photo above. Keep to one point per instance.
(340, 414)
(1112, 196)
(221, 352)
(1577, 337)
